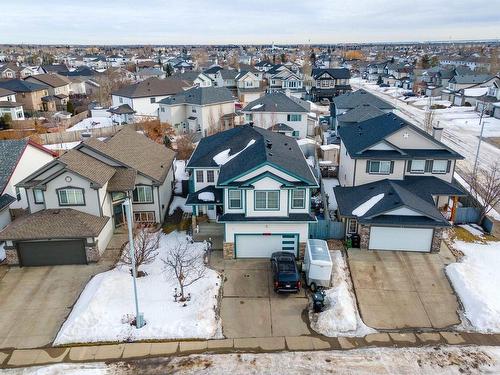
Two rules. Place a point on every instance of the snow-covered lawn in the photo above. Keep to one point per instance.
(476, 280)
(373, 361)
(180, 175)
(178, 202)
(328, 185)
(341, 316)
(92, 123)
(108, 298)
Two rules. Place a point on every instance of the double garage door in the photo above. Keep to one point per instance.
(404, 239)
(51, 253)
(263, 245)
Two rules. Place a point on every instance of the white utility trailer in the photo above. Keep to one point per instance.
(317, 264)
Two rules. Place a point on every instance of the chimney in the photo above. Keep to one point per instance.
(437, 132)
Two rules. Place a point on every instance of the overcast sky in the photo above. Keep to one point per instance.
(249, 21)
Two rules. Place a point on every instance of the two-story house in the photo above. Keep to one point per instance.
(278, 108)
(76, 201)
(198, 110)
(143, 97)
(58, 87)
(395, 184)
(30, 95)
(256, 183)
(329, 83)
(249, 86)
(9, 106)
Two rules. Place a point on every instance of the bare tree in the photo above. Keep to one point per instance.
(184, 266)
(485, 188)
(146, 243)
(185, 146)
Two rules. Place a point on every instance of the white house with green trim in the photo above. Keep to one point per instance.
(256, 183)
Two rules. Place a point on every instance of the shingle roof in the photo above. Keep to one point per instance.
(275, 102)
(6, 200)
(153, 87)
(5, 92)
(362, 135)
(283, 152)
(122, 180)
(337, 73)
(53, 223)
(228, 73)
(200, 96)
(18, 85)
(121, 109)
(53, 80)
(213, 69)
(360, 113)
(471, 78)
(87, 166)
(135, 151)
(10, 153)
(415, 193)
(354, 99)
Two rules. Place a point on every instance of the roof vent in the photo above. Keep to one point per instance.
(269, 145)
(250, 123)
(270, 154)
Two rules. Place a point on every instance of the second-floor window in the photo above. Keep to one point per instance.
(152, 100)
(439, 166)
(379, 166)
(417, 166)
(234, 199)
(294, 117)
(298, 198)
(248, 117)
(210, 176)
(267, 200)
(199, 176)
(38, 196)
(71, 197)
(143, 194)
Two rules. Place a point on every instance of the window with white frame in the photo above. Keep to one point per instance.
(210, 176)
(439, 166)
(144, 217)
(38, 196)
(234, 199)
(143, 194)
(71, 197)
(248, 117)
(267, 200)
(199, 176)
(417, 166)
(379, 166)
(298, 198)
(294, 117)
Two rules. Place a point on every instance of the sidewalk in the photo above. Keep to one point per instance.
(125, 351)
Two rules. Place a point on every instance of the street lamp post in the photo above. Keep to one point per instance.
(481, 122)
(127, 205)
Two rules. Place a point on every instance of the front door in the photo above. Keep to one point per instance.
(118, 214)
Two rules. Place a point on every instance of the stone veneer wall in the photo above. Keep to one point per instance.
(302, 250)
(364, 234)
(92, 253)
(11, 256)
(228, 250)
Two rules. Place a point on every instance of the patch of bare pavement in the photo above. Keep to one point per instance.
(425, 360)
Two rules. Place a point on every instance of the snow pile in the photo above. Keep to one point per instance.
(92, 123)
(476, 91)
(108, 297)
(341, 316)
(472, 229)
(328, 185)
(257, 106)
(178, 202)
(2, 251)
(180, 175)
(476, 280)
(223, 157)
(206, 196)
(365, 207)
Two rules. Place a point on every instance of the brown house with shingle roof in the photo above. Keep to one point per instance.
(82, 193)
(58, 87)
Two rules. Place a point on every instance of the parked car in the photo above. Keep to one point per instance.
(286, 277)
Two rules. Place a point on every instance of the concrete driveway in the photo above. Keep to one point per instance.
(35, 301)
(397, 290)
(250, 308)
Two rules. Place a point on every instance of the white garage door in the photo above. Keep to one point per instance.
(263, 245)
(405, 239)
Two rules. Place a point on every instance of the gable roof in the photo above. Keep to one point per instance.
(275, 102)
(360, 113)
(153, 87)
(254, 147)
(87, 166)
(358, 137)
(135, 151)
(10, 154)
(337, 73)
(200, 96)
(52, 80)
(471, 78)
(18, 85)
(356, 98)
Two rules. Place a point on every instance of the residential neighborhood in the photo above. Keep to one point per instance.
(238, 197)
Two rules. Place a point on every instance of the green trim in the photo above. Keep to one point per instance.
(288, 242)
(265, 175)
(229, 199)
(267, 200)
(283, 235)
